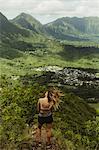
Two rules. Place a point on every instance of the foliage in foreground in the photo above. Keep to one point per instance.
(71, 125)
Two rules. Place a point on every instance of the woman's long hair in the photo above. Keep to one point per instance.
(54, 95)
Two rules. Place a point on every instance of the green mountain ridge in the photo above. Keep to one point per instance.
(7, 28)
(14, 38)
(31, 45)
(28, 22)
(65, 27)
(84, 25)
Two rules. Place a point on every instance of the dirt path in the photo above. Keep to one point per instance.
(29, 142)
(43, 140)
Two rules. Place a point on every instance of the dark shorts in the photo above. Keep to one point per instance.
(42, 120)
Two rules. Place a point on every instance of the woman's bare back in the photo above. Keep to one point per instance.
(45, 106)
(44, 103)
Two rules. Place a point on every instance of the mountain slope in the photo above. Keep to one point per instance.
(51, 51)
(14, 38)
(73, 28)
(7, 28)
(27, 21)
(66, 28)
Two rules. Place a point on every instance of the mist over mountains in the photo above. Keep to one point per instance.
(65, 28)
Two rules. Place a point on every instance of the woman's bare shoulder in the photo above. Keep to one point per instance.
(41, 99)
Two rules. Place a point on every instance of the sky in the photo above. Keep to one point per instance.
(48, 10)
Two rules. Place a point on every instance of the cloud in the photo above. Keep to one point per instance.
(50, 9)
(47, 7)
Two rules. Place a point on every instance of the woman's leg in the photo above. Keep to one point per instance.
(49, 132)
(38, 133)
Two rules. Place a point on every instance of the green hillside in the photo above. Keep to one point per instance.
(18, 108)
(17, 39)
(74, 28)
(8, 29)
(32, 49)
(28, 22)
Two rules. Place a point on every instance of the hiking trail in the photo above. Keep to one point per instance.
(30, 143)
(43, 141)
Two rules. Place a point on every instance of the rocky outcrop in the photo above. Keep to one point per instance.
(78, 77)
(71, 76)
(82, 82)
(49, 68)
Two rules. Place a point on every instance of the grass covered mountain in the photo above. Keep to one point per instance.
(27, 21)
(65, 28)
(8, 29)
(74, 28)
(10, 36)
(15, 38)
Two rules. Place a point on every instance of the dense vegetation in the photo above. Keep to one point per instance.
(74, 122)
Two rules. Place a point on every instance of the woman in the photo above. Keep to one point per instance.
(45, 106)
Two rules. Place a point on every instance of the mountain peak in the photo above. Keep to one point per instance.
(23, 14)
(26, 17)
(6, 28)
(28, 22)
